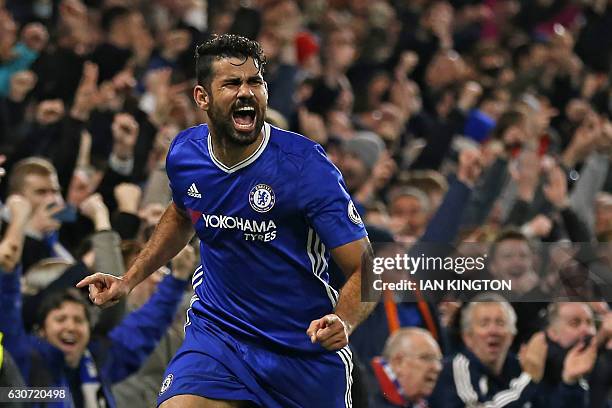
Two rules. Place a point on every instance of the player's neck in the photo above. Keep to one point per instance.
(229, 153)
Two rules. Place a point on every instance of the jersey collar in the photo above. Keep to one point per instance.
(245, 162)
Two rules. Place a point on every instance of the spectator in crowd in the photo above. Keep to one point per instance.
(36, 180)
(19, 55)
(360, 155)
(10, 376)
(409, 211)
(512, 258)
(570, 323)
(571, 326)
(485, 373)
(407, 372)
(113, 54)
(62, 352)
(431, 182)
(65, 351)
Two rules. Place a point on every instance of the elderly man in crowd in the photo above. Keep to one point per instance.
(486, 374)
(571, 327)
(407, 372)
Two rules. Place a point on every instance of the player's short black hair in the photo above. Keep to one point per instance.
(225, 46)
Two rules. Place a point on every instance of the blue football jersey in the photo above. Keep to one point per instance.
(266, 226)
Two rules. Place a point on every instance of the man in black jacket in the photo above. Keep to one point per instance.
(485, 374)
(572, 325)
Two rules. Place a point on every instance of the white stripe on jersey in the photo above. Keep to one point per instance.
(318, 258)
(197, 277)
(320, 250)
(198, 272)
(194, 299)
(346, 357)
(316, 252)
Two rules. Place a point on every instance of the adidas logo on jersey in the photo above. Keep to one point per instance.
(193, 191)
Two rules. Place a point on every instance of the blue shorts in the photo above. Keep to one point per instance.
(212, 364)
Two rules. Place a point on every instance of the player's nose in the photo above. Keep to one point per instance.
(245, 91)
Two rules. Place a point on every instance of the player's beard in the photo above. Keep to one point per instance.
(223, 127)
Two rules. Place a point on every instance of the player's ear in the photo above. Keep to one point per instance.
(201, 97)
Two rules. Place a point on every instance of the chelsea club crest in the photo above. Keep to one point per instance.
(262, 198)
(166, 384)
(354, 214)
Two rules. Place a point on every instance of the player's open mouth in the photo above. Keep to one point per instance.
(244, 118)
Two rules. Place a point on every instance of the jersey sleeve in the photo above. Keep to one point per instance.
(326, 203)
(176, 198)
(171, 172)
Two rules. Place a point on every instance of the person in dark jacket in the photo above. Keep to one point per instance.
(571, 325)
(485, 374)
(9, 373)
(62, 355)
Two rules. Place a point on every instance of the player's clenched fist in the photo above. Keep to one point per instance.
(105, 290)
(330, 331)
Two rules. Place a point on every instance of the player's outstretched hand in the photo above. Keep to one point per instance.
(105, 290)
(330, 331)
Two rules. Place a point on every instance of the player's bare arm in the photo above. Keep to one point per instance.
(170, 236)
(332, 331)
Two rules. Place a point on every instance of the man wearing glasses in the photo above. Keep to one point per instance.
(408, 370)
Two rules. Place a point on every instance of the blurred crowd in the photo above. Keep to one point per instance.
(480, 121)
